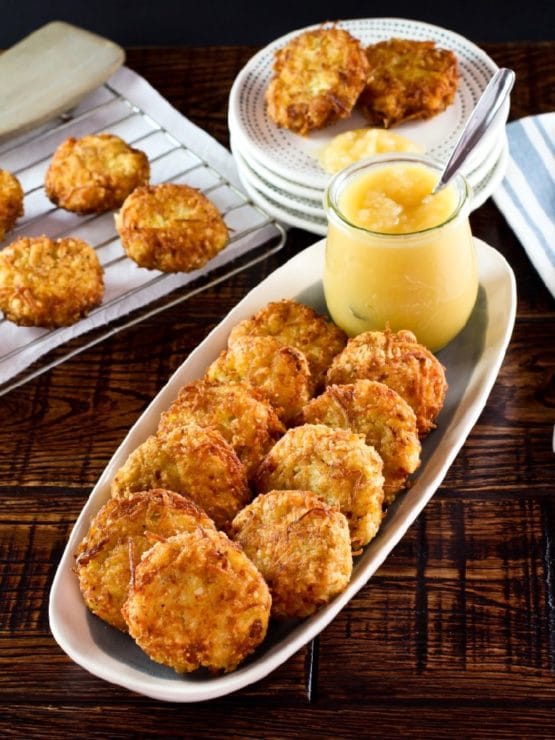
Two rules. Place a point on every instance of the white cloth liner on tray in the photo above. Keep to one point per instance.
(526, 197)
(178, 150)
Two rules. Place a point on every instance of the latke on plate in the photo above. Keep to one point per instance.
(335, 464)
(302, 547)
(171, 227)
(399, 361)
(11, 202)
(194, 461)
(197, 601)
(318, 76)
(240, 412)
(49, 282)
(281, 372)
(407, 80)
(95, 173)
(118, 536)
(385, 419)
(296, 325)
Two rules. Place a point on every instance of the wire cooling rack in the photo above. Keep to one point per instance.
(178, 152)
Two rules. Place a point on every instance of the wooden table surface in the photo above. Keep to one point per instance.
(455, 634)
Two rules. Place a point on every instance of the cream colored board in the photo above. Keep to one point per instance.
(49, 72)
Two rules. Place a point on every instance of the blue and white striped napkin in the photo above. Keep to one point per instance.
(526, 197)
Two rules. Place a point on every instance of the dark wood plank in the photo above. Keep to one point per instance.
(468, 593)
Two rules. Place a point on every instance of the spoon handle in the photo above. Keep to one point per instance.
(478, 122)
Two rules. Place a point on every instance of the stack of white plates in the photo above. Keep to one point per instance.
(280, 169)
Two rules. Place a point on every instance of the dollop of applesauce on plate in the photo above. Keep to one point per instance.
(352, 146)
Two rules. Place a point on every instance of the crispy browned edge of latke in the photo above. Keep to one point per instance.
(196, 399)
(312, 112)
(387, 107)
(220, 542)
(321, 330)
(405, 341)
(275, 470)
(53, 310)
(183, 246)
(103, 530)
(301, 388)
(11, 203)
(315, 506)
(108, 191)
(341, 399)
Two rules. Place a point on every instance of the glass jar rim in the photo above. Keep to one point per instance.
(340, 178)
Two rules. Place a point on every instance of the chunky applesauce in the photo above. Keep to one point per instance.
(397, 254)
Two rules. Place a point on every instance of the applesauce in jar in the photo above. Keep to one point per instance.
(396, 254)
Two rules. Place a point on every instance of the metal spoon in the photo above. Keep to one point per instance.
(478, 122)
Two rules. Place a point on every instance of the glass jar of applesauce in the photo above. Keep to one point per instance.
(396, 254)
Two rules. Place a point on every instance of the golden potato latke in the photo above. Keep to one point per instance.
(300, 544)
(118, 536)
(171, 227)
(335, 464)
(11, 202)
(196, 601)
(240, 412)
(378, 412)
(194, 461)
(49, 282)
(407, 80)
(317, 78)
(95, 173)
(296, 325)
(281, 372)
(399, 361)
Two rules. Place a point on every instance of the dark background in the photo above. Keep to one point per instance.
(206, 22)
